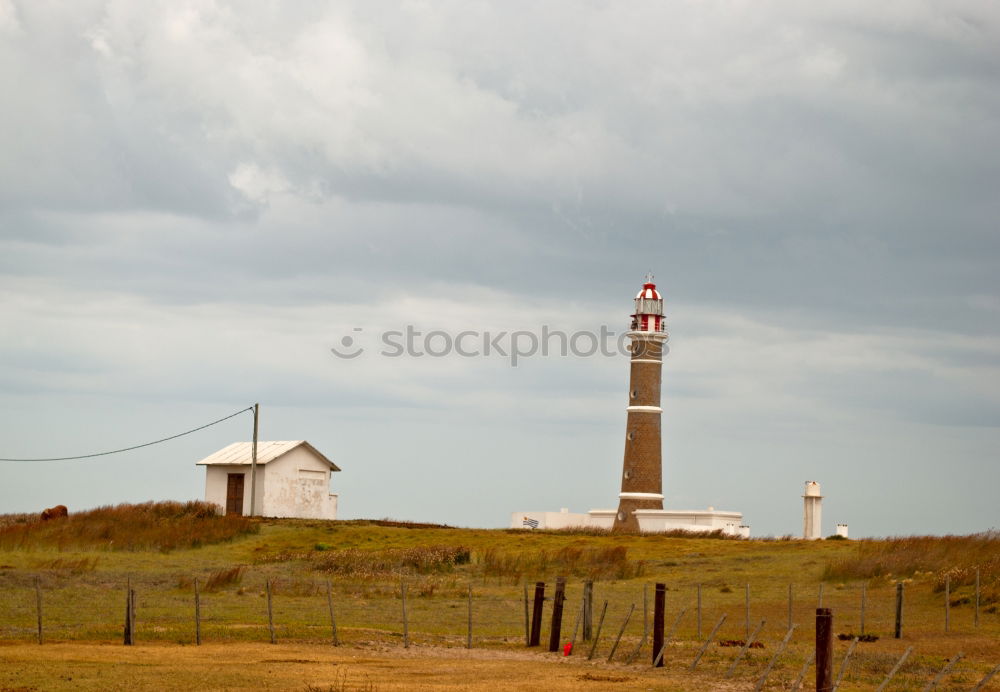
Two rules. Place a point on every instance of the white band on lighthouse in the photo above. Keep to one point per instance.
(646, 360)
(640, 496)
(645, 409)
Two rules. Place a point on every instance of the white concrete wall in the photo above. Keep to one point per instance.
(812, 518)
(842, 530)
(217, 481)
(298, 486)
(657, 520)
(563, 519)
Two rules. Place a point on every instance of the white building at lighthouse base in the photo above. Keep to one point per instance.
(650, 520)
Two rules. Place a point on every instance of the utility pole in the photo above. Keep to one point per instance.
(253, 462)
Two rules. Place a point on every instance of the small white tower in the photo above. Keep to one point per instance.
(812, 512)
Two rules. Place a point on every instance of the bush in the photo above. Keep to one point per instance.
(161, 526)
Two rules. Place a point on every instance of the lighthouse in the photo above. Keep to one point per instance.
(642, 472)
(640, 502)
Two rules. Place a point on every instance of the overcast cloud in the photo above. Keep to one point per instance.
(199, 199)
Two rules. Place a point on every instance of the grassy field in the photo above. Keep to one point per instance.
(82, 582)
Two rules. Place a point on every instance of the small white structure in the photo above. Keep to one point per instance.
(650, 520)
(293, 480)
(842, 530)
(812, 512)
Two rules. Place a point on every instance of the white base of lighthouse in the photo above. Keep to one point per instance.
(650, 520)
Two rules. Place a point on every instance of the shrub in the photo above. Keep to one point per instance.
(224, 577)
(161, 526)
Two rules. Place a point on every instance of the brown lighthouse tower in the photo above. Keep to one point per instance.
(642, 475)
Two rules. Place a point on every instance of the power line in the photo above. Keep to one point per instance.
(147, 444)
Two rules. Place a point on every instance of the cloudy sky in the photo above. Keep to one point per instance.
(199, 199)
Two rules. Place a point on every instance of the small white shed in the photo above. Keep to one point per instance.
(293, 480)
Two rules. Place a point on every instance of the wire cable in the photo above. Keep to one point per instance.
(147, 444)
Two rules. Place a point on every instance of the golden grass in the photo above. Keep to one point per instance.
(160, 526)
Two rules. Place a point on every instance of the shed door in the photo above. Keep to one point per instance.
(234, 494)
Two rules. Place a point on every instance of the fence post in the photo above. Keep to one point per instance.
(555, 629)
(864, 603)
(774, 659)
(536, 614)
(790, 606)
(128, 612)
(843, 664)
(699, 611)
(38, 607)
(614, 647)
(802, 673)
(746, 601)
(197, 613)
(333, 620)
(975, 620)
(576, 627)
(588, 610)
(744, 649)
(895, 669)
(659, 657)
(597, 635)
(406, 620)
(899, 610)
(944, 671)
(270, 611)
(947, 602)
(659, 612)
(468, 639)
(645, 625)
(708, 640)
(824, 650)
(527, 633)
(986, 679)
(131, 614)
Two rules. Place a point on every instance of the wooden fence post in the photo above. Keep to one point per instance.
(895, 669)
(746, 601)
(660, 657)
(843, 664)
(527, 632)
(468, 638)
(824, 650)
(659, 613)
(708, 640)
(335, 639)
(986, 679)
(270, 611)
(944, 671)
(899, 610)
(197, 613)
(536, 614)
(864, 604)
(947, 602)
(614, 647)
(802, 673)
(975, 620)
(128, 612)
(576, 626)
(38, 607)
(406, 619)
(555, 629)
(744, 649)
(790, 606)
(699, 611)
(597, 635)
(774, 659)
(588, 610)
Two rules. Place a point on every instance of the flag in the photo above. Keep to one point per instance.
(530, 523)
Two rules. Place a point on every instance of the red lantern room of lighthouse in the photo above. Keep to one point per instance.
(642, 472)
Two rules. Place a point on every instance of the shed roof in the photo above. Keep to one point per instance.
(239, 453)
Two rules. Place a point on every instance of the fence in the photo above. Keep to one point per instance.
(776, 616)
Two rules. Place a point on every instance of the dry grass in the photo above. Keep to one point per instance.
(589, 563)
(162, 526)
(955, 558)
